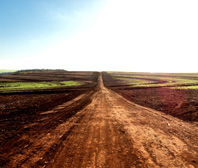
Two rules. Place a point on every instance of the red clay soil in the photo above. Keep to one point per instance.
(181, 103)
(100, 128)
(17, 110)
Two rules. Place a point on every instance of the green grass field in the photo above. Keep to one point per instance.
(22, 86)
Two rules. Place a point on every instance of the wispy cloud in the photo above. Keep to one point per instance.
(62, 16)
(69, 16)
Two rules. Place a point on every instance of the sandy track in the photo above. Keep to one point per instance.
(105, 130)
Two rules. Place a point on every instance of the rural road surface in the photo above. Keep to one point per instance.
(109, 132)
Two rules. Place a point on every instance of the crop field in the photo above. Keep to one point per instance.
(26, 94)
(171, 93)
(177, 80)
(24, 86)
(57, 118)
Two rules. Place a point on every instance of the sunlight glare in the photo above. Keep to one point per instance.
(131, 36)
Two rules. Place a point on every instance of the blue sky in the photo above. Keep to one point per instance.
(122, 35)
(32, 24)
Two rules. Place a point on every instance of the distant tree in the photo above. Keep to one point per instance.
(37, 70)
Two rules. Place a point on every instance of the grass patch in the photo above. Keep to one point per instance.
(185, 87)
(21, 86)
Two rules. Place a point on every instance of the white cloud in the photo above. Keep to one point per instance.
(60, 16)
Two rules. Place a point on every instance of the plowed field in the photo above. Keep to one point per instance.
(99, 128)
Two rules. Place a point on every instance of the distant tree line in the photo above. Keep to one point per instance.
(38, 70)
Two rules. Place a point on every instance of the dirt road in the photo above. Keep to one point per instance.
(102, 129)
